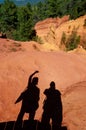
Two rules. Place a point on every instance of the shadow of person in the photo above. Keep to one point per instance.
(52, 108)
(29, 98)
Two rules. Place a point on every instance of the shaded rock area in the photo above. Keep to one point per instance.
(26, 125)
(3, 35)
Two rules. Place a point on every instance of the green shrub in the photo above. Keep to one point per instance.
(71, 42)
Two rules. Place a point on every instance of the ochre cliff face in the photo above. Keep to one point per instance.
(43, 27)
(50, 31)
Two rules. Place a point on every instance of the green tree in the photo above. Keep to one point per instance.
(8, 17)
(54, 8)
(25, 23)
(76, 8)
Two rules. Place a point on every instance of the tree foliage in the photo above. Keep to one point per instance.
(8, 16)
(25, 24)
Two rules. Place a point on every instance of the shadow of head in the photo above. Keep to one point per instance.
(35, 81)
(52, 85)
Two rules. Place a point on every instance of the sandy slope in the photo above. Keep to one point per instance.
(68, 70)
(75, 106)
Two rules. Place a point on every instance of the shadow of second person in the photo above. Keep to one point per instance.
(52, 107)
